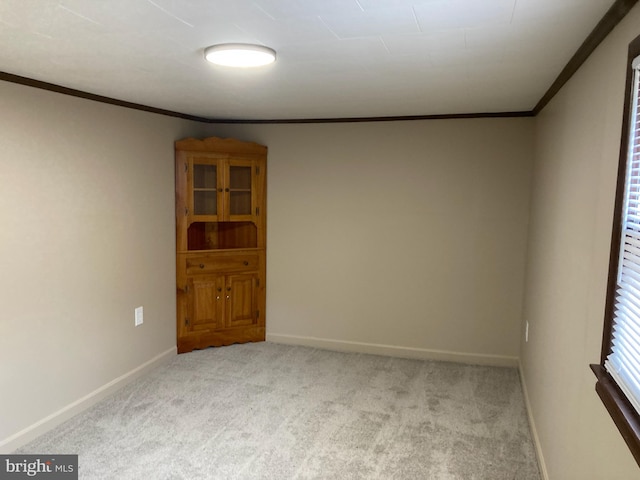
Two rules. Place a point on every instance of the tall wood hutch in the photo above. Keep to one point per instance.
(220, 242)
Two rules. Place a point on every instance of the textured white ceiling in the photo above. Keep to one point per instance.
(336, 58)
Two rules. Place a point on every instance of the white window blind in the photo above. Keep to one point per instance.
(623, 363)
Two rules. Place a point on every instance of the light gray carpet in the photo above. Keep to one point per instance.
(268, 411)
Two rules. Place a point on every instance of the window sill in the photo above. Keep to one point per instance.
(622, 412)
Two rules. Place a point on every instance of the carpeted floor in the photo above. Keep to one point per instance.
(269, 411)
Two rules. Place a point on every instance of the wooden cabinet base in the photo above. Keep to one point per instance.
(219, 339)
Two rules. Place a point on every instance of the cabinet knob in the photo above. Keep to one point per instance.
(202, 265)
(226, 189)
(245, 263)
(227, 297)
(220, 189)
(219, 289)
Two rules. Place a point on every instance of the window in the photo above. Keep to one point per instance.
(618, 372)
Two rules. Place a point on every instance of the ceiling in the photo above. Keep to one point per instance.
(336, 58)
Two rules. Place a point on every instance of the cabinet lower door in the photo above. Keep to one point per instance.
(205, 304)
(221, 310)
(242, 301)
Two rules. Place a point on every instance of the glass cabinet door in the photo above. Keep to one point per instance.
(221, 203)
(240, 190)
(205, 189)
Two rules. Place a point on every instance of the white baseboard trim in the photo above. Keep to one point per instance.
(532, 425)
(395, 351)
(24, 436)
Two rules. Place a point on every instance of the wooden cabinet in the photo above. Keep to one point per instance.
(220, 242)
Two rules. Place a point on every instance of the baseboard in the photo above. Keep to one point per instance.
(532, 425)
(24, 436)
(395, 351)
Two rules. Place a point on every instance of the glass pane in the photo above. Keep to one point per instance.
(204, 176)
(240, 178)
(205, 202)
(240, 203)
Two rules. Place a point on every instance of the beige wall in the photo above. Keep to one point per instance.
(87, 235)
(407, 237)
(577, 145)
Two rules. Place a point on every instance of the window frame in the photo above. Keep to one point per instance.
(615, 401)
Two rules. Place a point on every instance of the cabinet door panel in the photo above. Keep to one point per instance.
(204, 303)
(241, 300)
(240, 190)
(204, 182)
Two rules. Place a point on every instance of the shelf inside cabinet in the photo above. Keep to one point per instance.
(222, 235)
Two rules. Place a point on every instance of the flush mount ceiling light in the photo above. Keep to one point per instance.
(240, 55)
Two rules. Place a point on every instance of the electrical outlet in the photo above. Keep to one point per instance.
(138, 314)
(526, 332)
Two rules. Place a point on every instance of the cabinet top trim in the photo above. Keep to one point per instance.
(221, 145)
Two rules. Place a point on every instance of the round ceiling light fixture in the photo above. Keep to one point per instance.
(241, 55)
